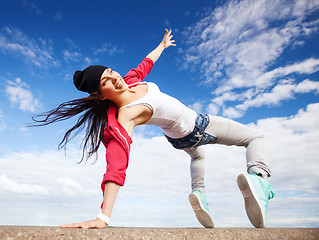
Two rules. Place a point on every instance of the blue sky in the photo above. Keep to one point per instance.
(253, 61)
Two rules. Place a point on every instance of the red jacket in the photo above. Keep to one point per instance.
(116, 140)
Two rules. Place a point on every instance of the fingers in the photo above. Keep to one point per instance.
(71, 225)
(76, 225)
(96, 223)
(168, 33)
(168, 36)
(172, 42)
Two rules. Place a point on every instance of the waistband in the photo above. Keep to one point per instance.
(201, 122)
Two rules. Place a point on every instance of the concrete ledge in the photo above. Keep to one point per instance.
(20, 232)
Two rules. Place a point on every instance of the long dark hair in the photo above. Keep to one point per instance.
(93, 119)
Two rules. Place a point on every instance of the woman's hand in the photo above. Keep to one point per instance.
(165, 43)
(167, 39)
(110, 192)
(96, 223)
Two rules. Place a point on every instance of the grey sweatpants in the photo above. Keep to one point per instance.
(229, 132)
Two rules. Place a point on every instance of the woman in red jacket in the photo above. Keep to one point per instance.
(116, 105)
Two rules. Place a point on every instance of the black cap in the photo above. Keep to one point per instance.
(89, 79)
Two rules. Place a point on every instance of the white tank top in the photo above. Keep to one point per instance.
(174, 118)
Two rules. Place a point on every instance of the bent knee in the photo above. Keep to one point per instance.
(196, 153)
(257, 138)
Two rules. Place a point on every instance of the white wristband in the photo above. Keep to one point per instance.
(104, 218)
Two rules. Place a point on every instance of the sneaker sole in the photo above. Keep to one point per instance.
(201, 214)
(252, 205)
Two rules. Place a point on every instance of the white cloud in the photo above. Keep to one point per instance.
(63, 203)
(88, 60)
(281, 91)
(236, 45)
(39, 52)
(236, 34)
(304, 121)
(307, 66)
(10, 186)
(303, 7)
(19, 93)
(69, 182)
(197, 106)
(71, 56)
(284, 90)
(53, 171)
(294, 142)
(2, 122)
(71, 44)
(298, 221)
(263, 95)
(109, 49)
(58, 16)
(213, 109)
(158, 181)
(32, 6)
(307, 86)
(69, 186)
(232, 112)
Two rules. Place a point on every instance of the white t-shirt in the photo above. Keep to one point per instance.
(173, 117)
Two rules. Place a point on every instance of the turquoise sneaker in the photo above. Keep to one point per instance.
(200, 206)
(257, 192)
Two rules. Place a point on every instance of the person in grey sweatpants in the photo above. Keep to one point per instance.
(219, 130)
(229, 132)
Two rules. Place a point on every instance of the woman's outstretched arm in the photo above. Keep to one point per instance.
(110, 193)
(111, 188)
(166, 42)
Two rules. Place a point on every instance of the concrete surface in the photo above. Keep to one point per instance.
(25, 233)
